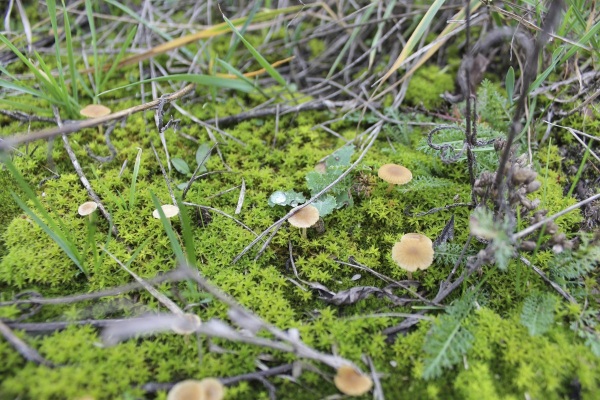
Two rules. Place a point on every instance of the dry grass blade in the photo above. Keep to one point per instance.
(446, 34)
(213, 31)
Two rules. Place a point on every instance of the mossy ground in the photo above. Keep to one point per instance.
(503, 363)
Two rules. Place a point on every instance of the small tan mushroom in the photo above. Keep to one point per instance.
(169, 210)
(414, 251)
(189, 389)
(188, 323)
(349, 381)
(94, 111)
(305, 218)
(394, 174)
(213, 389)
(87, 208)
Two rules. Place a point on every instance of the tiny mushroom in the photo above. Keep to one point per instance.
(87, 208)
(94, 111)
(213, 389)
(186, 324)
(305, 218)
(351, 382)
(189, 389)
(168, 209)
(414, 251)
(394, 174)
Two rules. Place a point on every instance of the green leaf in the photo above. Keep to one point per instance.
(341, 157)
(181, 166)
(509, 83)
(537, 314)
(202, 155)
(448, 340)
(287, 198)
(325, 205)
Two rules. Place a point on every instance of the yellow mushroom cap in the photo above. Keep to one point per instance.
(169, 210)
(394, 174)
(213, 389)
(414, 251)
(189, 389)
(305, 218)
(87, 208)
(351, 382)
(94, 111)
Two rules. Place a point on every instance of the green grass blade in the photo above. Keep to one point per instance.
(136, 171)
(236, 39)
(118, 58)
(51, 4)
(66, 246)
(175, 246)
(365, 17)
(188, 235)
(205, 80)
(388, 11)
(70, 55)
(259, 58)
(25, 107)
(97, 70)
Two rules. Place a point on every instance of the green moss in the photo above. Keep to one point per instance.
(504, 362)
(426, 86)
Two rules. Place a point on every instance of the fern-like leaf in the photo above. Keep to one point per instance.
(537, 314)
(448, 340)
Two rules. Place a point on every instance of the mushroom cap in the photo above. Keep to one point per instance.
(87, 208)
(94, 111)
(189, 389)
(305, 218)
(394, 174)
(188, 323)
(213, 389)
(349, 381)
(169, 210)
(414, 251)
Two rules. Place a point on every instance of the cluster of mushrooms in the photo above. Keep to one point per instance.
(191, 389)
(413, 252)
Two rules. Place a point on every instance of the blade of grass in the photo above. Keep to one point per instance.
(175, 246)
(205, 80)
(66, 246)
(413, 40)
(118, 58)
(97, 71)
(440, 40)
(257, 56)
(136, 171)
(188, 235)
(213, 31)
(365, 17)
(388, 11)
(236, 40)
(70, 56)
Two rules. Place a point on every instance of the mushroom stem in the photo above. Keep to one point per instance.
(390, 187)
(303, 233)
(409, 275)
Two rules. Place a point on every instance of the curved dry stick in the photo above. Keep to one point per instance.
(18, 139)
